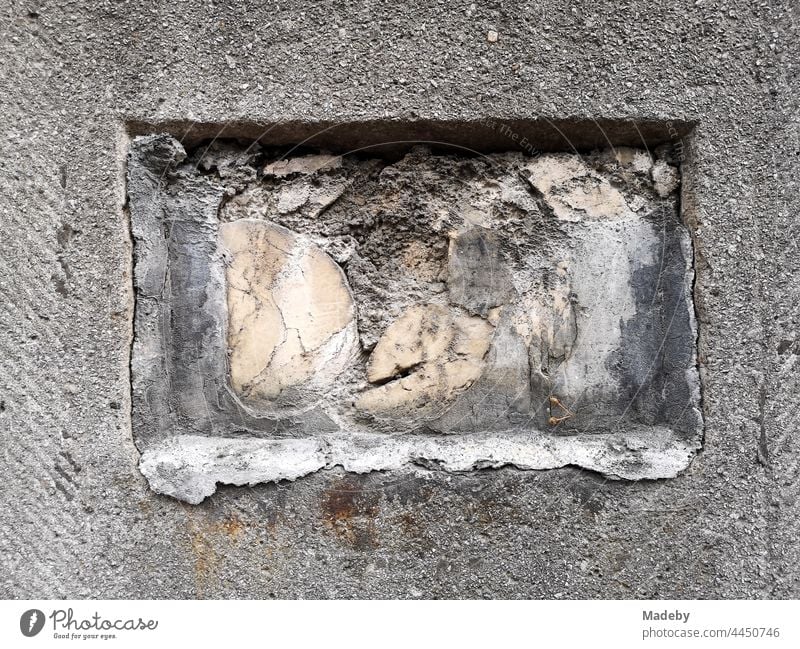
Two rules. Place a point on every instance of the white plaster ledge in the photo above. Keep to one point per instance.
(189, 467)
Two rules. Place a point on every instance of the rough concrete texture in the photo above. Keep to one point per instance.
(520, 294)
(717, 78)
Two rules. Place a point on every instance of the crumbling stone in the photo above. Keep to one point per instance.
(309, 164)
(574, 191)
(366, 308)
(665, 178)
(291, 319)
(427, 356)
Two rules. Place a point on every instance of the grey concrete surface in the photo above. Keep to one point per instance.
(77, 78)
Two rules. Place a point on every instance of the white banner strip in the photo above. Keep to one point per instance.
(331, 624)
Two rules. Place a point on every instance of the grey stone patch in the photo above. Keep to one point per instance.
(547, 302)
(229, 160)
(477, 278)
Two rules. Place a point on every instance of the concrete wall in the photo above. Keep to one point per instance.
(78, 79)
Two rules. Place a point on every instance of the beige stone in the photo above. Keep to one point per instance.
(574, 191)
(633, 159)
(303, 165)
(291, 318)
(428, 355)
(665, 178)
(420, 260)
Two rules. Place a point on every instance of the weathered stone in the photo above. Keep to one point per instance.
(552, 319)
(292, 191)
(505, 297)
(309, 164)
(715, 83)
(665, 178)
(290, 312)
(428, 356)
(229, 160)
(500, 398)
(574, 191)
(634, 159)
(422, 262)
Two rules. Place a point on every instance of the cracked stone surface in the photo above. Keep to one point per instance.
(352, 302)
(574, 191)
(425, 358)
(291, 319)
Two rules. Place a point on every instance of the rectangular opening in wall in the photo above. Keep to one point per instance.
(390, 296)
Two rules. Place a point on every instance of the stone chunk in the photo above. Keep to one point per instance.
(665, 178)
(500, 397)
(426, 357)
(309, 164)
(574, 191)
(634, 159)
(291, 318)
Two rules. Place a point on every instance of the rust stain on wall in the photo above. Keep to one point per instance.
(208, 538)
(349, 512)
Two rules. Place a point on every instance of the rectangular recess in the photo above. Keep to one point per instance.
(196, 219)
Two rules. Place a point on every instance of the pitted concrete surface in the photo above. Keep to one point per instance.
(78, 519)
